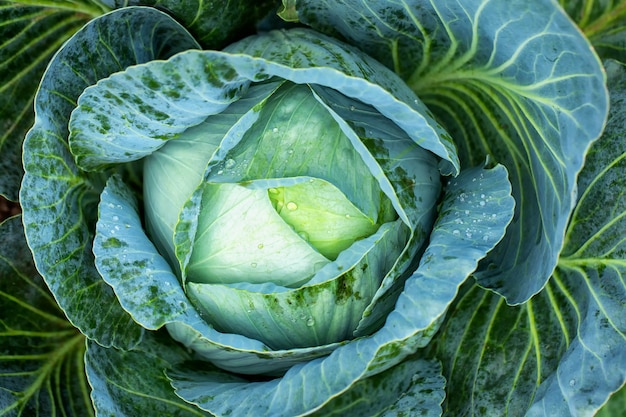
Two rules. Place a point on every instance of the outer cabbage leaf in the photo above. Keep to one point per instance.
(515, 80)
(42, 371)
(299, 55)
(214, 23)
(563, 352)
(413, 387)
(132, 383)
(594, 262)
(30, 36)
(475, 211)
(58, 200)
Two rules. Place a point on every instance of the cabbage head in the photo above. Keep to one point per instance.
(275, 228)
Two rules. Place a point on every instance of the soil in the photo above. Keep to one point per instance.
(8, 209)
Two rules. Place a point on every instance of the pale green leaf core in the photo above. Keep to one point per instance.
(242, 238)
(321, 215)
(312, 198)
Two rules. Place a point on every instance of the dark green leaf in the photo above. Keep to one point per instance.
(616, 406)
(563, 352)
(603, 22)
(414, 387)
(58, 200)
(133, 383)
(593, 264)
(41, 354)
(29, 35)
(215, 23)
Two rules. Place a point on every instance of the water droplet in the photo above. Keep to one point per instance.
(482, 196)
(455, 232)
(220, 172)
(572, 382)
(260, 246)
(290, 151)
(310, 322)
(253, 264)
(230, 163)
(486, 238)
(275, 130)
(352, 108)
(467, 212)
(482, 203)
(493, 216)
(292, 206)
(273, 190)
(468, 235)
(304, 236)
(348, 216)
(115, 218)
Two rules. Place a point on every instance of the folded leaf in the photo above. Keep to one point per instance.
(59, 222)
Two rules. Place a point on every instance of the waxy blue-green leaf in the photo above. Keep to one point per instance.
(210, 80)
(515, 80)
(475, 211)
(133, 383)
(594, 259)
(30, 35)
(414, 387)
(41, 361)
(214, 23)
(58, 200)
(563, 352)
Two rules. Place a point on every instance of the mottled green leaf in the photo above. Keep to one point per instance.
(215, 23)
(42, 371)
(415, 387)
(564, 351)
(159, 100)
(58, 200)
(515, 80)
(29, 36)
(133, 383)
(594, 259)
